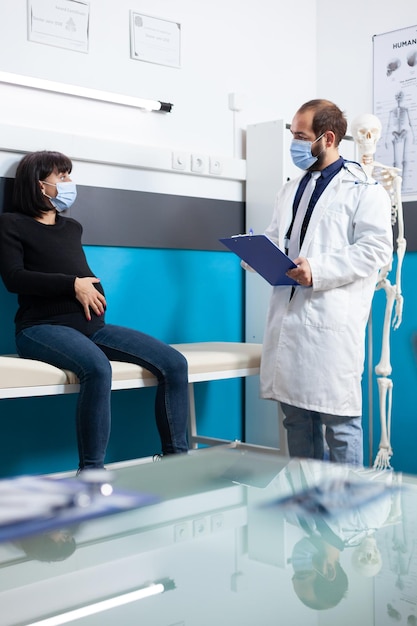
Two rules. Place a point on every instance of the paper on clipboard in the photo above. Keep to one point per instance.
(264, 256)
(32, 505)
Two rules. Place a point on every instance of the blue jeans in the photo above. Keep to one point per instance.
(343, 434)
(88, 358)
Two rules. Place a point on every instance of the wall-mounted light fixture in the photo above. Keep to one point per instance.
(166, 584)
(85, 92)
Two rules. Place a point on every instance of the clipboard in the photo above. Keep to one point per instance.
(264, 256)
(32, 505)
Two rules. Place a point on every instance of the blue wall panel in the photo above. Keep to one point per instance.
(179, 296)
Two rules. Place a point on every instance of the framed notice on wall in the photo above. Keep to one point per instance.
(155, 40)
(61, 23)
(395, 101)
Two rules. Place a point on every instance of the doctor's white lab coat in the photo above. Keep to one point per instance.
(314, 343)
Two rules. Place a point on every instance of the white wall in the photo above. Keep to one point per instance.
(262, 50)
(257, 49)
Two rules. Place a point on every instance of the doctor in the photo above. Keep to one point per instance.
(339, 235)
(339, 509)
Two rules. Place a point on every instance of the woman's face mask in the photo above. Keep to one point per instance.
(66, 195)
(300, 150)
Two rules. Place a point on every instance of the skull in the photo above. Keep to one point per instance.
(399, 97)
(366, 131)
(366, 558)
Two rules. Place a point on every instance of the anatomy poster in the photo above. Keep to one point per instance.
(395, 102)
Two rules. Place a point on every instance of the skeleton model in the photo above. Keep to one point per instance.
(366, 131)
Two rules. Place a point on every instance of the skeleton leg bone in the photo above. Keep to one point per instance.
(383, 457)
(383, 369)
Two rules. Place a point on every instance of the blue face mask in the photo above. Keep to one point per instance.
(301, 153)
(302, 556)
(65, 198)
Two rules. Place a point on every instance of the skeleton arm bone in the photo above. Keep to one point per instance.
(411, 127)
(399, 300)
(388, 129)
(391, 181)
(401, 247)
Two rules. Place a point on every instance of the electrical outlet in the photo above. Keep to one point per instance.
(198, 163)
(201, 526)
(217, 522)
(216, 166)
(179, 160)
(182, 531)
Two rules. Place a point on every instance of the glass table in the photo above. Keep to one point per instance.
(239, 536)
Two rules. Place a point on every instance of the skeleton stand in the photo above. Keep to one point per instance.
(391, 180)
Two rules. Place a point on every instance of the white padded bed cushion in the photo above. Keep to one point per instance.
(16, 372)
(204, 357)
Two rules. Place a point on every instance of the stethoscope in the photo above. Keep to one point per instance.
(361, 176)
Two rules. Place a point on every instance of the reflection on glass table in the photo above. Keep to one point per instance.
(240, 536)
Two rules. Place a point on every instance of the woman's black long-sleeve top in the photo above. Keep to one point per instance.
(40, 263)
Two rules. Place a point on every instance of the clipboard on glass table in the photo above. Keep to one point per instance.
(264, 256)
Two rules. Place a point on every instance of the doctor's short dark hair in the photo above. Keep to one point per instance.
(327, 116)
(327, 593)
(35, 167)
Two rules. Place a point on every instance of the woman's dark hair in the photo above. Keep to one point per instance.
(48, 547)
(34, 167)
(327, 116)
